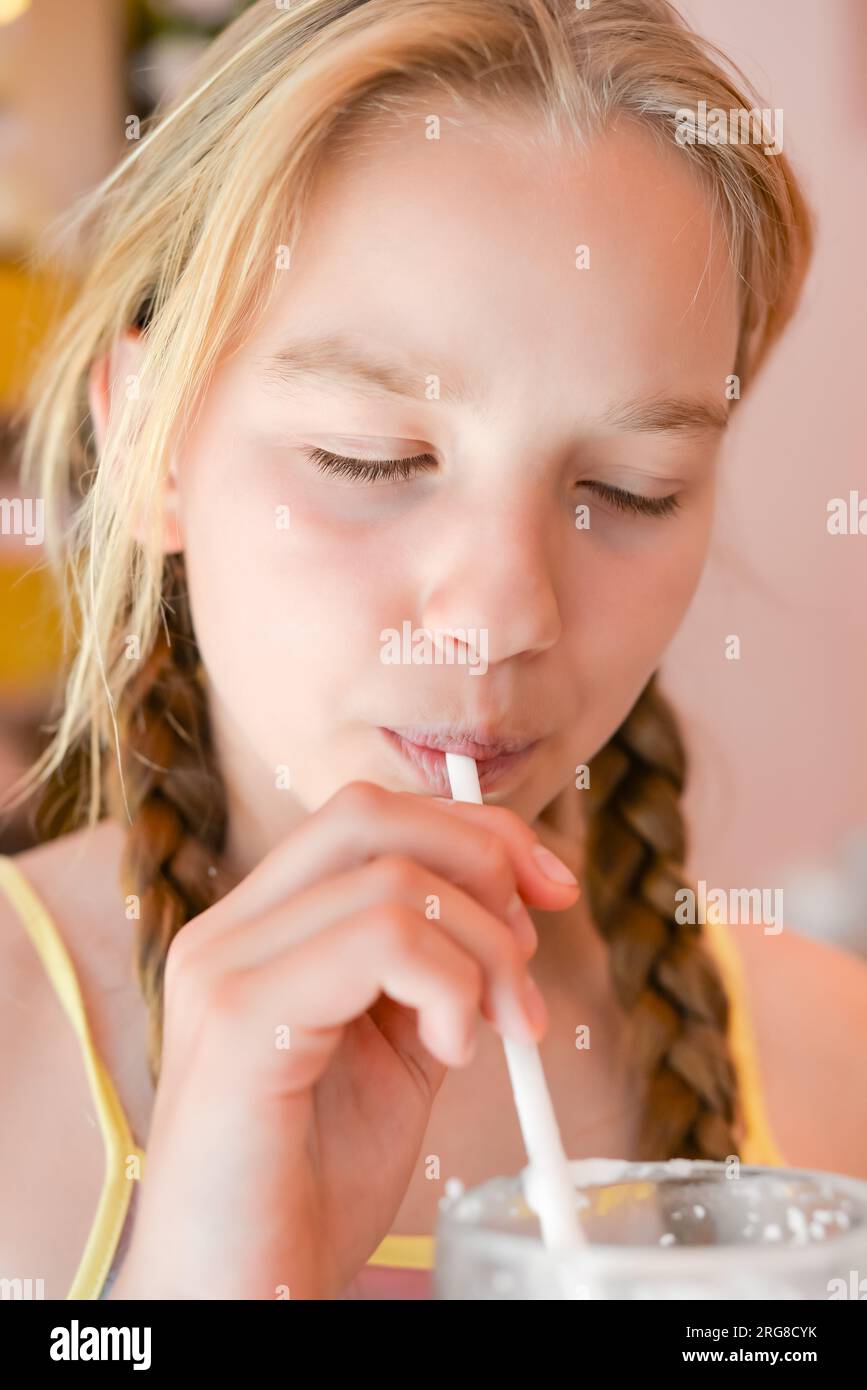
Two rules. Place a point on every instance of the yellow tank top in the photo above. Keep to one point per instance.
(124, 1159)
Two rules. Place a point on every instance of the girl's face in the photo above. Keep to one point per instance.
(439, 308)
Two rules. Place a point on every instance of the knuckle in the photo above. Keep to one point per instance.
(510, 828)
(395, 874)
(226, 998)
(396, 926)
(507, 818)
(493, 859)
(357, 800)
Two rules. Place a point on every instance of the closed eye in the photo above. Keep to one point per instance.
(635, 501)
(377, 470)
(370, 470)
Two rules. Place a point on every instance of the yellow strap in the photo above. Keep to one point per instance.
(405, 1252)
(758, 1145)
(117, 1138)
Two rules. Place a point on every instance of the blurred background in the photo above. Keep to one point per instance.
(777, 739)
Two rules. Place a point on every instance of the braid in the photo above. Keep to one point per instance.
(661, 970)
(174, 795)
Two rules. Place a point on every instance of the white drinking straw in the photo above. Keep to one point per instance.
(552, 1186)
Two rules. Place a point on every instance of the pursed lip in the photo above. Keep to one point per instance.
(495, 755)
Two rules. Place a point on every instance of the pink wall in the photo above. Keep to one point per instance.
(779, 738)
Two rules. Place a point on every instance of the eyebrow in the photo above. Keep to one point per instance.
(332, 358)
(667, 414)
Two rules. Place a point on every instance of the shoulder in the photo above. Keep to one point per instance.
(75, 880)
(51, 1148)
(60, 876)
(76, 875)
(807, 1005)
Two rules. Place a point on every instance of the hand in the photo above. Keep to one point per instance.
(309, 1018)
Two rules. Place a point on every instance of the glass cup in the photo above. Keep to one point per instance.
(678, 1230)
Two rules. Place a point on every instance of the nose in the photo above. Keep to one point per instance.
(492, 573)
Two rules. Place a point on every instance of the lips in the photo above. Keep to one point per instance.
(495, 755)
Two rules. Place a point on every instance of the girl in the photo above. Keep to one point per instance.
(406, 315)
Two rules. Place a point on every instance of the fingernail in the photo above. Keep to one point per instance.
(534, 1005)
(552, 867)
(522, 924)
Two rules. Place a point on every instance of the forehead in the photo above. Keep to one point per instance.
(468, 248)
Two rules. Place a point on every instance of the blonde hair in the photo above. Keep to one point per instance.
(182, 239)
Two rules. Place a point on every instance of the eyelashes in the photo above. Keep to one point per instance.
(636, 501)
(370, 470)
(377, 470)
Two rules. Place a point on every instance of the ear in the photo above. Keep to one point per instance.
(112, 378)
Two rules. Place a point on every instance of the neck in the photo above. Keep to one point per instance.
(259, 813)
(571, 952)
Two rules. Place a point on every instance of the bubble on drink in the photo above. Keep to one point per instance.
(683, 1229)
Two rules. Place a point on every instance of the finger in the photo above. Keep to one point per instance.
(516, 832)
(335, 976)
(385, 883)
(363, 820)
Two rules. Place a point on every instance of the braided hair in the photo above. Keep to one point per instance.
(662, 973)
(172, 790)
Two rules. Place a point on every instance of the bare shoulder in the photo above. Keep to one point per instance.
(69, 877)
(75, 879)
(51, 1149)
(807, 1002)
(76, 876)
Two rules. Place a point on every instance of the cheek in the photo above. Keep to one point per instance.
(276, 588)
(627, 603)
